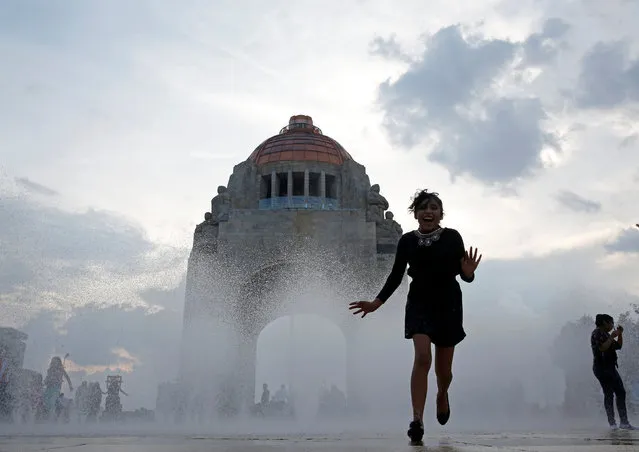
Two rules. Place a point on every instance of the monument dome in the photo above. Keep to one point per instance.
(300, 141)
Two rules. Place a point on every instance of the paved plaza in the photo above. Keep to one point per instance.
(451, 442)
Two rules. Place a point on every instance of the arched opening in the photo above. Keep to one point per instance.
(307, 354)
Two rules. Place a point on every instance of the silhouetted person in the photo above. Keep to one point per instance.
(604, 350)
(53, 384)
(94, 402)
(435, 256)
(281, 396)
(337, 400)
(266, 396)
(81, 399)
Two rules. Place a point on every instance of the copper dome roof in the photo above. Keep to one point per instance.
(300, 141)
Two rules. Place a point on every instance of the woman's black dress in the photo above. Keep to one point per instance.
(434, 305)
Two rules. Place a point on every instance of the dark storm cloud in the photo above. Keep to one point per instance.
(502, 146)
(434, 99)
(448, 73)
(626, 242)
(577, 203)
(34, 187)
(92, 333)
(608, 77)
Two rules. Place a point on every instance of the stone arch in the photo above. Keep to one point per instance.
(255, 306)
(315, 357)
(274, 291)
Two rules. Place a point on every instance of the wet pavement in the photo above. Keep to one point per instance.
(462, 442)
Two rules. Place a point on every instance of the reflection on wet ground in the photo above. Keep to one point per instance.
(463, 442)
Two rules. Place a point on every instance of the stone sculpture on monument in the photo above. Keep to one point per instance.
(377, 204)
(205, 235)
(221, 205)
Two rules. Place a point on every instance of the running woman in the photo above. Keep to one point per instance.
(435, 256)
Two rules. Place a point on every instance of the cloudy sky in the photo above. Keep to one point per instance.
(119, 119)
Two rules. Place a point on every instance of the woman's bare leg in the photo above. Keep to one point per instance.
(444, 373)
(419, 376)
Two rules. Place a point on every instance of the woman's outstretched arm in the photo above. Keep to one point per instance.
(397, 273)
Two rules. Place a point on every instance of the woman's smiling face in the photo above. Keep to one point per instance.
(428, 214)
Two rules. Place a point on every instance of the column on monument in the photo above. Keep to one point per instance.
(289, 188)
(323, 186)
(274, 188)
(258, 188)
(307, 181)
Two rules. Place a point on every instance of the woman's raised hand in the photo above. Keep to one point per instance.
(469, 262)
(364, 307)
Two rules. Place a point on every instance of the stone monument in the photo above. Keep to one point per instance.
(299, 216)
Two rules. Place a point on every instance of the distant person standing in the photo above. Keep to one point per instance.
(604, 345)
(266, 398)
(280, 395)
(266, 395)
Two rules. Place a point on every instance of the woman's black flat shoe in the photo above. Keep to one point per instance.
(416, 431)
(442, 418)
